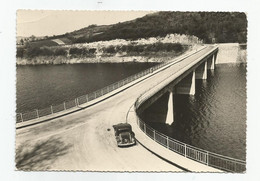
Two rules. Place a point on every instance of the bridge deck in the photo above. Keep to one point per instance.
(83, 141)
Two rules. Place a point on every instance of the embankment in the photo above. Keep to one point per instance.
(55, 60)
(231, 53)
(104, 57)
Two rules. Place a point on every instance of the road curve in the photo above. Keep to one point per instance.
(84, 140)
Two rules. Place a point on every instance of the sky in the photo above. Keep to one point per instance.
(46, 22)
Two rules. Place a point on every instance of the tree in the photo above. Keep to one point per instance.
(32, 38)
(60, 51)
(20, 52)
(22, 42)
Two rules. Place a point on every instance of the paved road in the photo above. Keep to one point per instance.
(85, 140)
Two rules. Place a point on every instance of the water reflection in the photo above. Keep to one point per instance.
(214, 119)
(43, 85)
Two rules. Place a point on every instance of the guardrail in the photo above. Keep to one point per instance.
(203, 156)
(66, 105)
(38, 113)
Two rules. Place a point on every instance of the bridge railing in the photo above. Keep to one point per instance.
(38, 113)
(203, 156)
(66, 105)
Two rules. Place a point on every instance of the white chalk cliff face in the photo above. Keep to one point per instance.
(170, 38)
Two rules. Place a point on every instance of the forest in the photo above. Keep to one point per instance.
(211, 27)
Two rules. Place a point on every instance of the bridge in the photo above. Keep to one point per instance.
(77, 135)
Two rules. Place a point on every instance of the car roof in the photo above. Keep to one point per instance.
(122, 126)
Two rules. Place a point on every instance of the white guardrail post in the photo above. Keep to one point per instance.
(207, 158)
(37, 113)
(185, 146)
(167, 140)
(76, 102)
(21, 114)
(51, 110)
(154, 135)
(64, 104)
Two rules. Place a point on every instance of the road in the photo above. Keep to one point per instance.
(84, 140)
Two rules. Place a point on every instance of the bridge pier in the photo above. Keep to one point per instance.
(211, 63)
(170, 112)
(201, 71)
(187, 85)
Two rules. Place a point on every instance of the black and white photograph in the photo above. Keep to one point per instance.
(131, 91)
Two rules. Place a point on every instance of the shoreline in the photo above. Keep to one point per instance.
(228, 54)
(56, 60)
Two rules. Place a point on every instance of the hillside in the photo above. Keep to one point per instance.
(211, 27)
(152, 35)
(214, 27)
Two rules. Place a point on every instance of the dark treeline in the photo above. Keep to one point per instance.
(31, 52)
(211, 27)
(148, 48)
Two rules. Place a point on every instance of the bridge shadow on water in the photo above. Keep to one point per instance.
(40, 155)
(155, 116)
(214, 119)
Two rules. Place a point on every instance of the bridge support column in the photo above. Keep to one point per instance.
(187, 85)
(201, 71)
(205, 71)
(212, 67)
(170, 112)
(211, 63)
(192, 87)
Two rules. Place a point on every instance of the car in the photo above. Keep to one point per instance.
(124, 135)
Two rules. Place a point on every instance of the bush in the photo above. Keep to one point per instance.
(82, 51)
(110, 49)
(20, 52)
(75, 51)
(33, 51)
(45, 51)
(60, 52)
(92, 51)
(177, 47)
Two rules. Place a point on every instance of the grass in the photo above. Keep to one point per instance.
(42, 43)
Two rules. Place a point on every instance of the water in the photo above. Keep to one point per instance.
(214, 119)
(44, 85)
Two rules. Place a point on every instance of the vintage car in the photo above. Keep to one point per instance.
(124, 135)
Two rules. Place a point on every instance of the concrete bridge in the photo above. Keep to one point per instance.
(182, 81)
(81, 138)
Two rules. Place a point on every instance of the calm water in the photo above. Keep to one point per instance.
(214, 119)
(43, 85)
